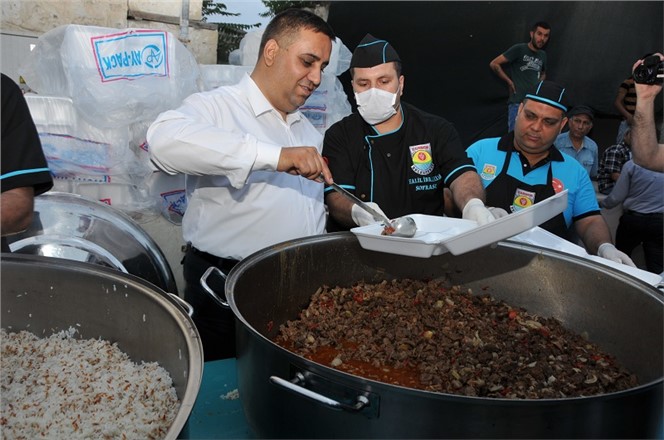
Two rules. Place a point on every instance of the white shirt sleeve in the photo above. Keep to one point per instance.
(205, 137)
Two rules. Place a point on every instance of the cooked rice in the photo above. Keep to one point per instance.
(62, 387)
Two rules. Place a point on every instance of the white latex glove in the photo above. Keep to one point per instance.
(498, 212)
(362, 217)
(475, 210)
(609, 251)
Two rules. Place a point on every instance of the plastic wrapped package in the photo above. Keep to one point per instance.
(106, 164)
(328, 104)
(114, 77)
(217, 75)
(339, 58)
(73, 146)
(170, 193)
(247, 53)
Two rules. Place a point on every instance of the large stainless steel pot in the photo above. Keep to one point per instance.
(285, 395)
(45, 295)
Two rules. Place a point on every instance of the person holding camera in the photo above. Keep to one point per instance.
(646, 151)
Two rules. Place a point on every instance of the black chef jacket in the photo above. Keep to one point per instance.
(403, 171)
(23, 161)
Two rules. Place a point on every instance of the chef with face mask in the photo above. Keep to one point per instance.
(393, 156)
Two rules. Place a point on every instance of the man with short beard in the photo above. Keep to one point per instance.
(252, 161)
(524, 167)
(527, 67)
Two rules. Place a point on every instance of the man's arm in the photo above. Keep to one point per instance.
(645, 149)
(17, 207)
(497, 66)
(593, 232)
(622, 92)
(465, 187)
(340, 209)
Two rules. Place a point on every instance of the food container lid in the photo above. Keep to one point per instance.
(437, 235)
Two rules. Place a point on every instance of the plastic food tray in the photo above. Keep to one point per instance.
(437, 235)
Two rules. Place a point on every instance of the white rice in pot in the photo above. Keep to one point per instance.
(62, 387)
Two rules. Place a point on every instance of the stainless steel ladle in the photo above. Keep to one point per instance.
(403, 226)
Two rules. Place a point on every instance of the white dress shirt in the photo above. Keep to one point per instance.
(228, 142)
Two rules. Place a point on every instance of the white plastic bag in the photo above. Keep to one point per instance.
(114, 77)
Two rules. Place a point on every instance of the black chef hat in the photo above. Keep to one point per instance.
(582, 110)
(371, 52)
(551, 93)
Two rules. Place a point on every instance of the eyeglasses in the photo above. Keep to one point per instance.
(582, 122)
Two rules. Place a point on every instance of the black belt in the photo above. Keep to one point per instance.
(644, 214)
(225, 264)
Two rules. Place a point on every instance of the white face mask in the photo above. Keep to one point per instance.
(376, 105)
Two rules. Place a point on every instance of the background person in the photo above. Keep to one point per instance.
(576, 142)
(524, 167)
(611, 163)
(255, 159)
(25, 172)
(645, 149)
(392, 155)
(527, 66)
(640, 192)
(626, 104)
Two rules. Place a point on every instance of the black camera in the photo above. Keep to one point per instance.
(651, 71)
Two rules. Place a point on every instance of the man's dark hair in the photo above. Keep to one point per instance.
(542, 24)
(290, 21)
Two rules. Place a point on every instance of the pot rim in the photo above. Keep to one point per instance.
(249, 261)
(175, 309)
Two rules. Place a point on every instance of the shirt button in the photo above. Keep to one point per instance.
(363, 196)
(389, 154)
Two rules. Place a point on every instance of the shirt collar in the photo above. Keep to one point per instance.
(259, 103)
(507, 141)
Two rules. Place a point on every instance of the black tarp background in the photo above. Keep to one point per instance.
(446, 48)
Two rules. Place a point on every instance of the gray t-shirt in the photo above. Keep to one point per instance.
(526, 68)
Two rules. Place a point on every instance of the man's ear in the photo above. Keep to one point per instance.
(270, 51)
(563, 125)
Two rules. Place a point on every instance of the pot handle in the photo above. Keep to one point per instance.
(361, 401)
(185, 305)
(208, 289)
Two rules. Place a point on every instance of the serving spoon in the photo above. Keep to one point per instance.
(402, 226)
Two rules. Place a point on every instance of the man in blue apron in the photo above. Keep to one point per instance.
(524, 167)
(393, 156)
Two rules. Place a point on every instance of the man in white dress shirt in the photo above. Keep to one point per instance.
(252, 161)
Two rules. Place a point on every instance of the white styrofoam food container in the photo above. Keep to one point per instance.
(437, 235)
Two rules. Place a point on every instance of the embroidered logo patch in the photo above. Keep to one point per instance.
(488, 172)
(421, 157)
(522, 199)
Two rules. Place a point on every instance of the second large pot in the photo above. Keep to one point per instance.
(286, 395)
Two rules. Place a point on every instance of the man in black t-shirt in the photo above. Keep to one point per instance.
(25, 173)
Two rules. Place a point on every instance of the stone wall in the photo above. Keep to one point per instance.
(35, 17)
